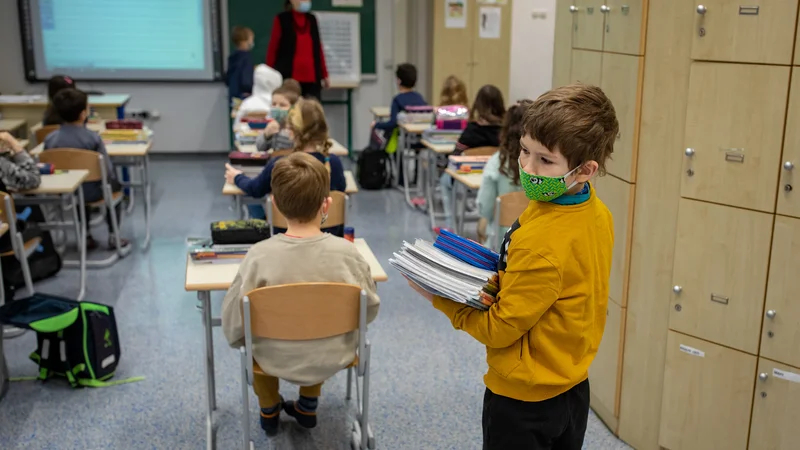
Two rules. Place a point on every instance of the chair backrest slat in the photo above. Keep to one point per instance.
(299, 312)
(336, 212)
(45, 130)
(8, 214)
(512, 205)
(75, 159)
(481, 151)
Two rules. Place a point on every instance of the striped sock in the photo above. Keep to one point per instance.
(307, 404)
(271, 411)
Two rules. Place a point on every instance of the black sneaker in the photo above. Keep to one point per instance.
(270, 419)
(306, 419)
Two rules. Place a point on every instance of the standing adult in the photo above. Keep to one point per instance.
(295, 48)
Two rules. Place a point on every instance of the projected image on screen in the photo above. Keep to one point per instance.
(122, 39)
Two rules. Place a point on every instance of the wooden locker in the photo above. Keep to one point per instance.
(491, 57)
(733, 134)
(780, 334)
(452, 49)
(562, 48)
(586, 67)
(624, 30)
(788, 201)
(587, 30)
(756, 31)
(708, 390)
(719, 273)
(776, 407)
(618, 198)
(604, 373)
(620, 81)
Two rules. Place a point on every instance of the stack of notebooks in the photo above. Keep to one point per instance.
(452, 267)
(467, 164)
(125, 136)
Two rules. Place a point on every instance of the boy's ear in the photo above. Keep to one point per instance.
(587, 171)
(272, 198)
(326, 204)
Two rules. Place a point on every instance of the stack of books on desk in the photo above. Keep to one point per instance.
(247, 137)
(125, 136)
(441, 136)
(453, 267)
(467, 164)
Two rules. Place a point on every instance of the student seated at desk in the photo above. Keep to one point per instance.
(454, 92)
(265, 80)
(406, 80)
(304, 254)
(72, 105)
(240, 64)
(276, 136)
(18, 171)
(56, 84)
(307, 124)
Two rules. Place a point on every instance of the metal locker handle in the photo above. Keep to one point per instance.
(677, 289)
(573, 9)
(701, 9)
(605, 9)
(763, 376)
(748, 10)
(719, 298)
(788, 165)
(771, 314)
(734, 154)
(689, 152)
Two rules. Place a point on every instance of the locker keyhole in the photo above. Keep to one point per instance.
(763, 394)
(701, 31)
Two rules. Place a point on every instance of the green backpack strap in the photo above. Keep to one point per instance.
(88, 382)
(391, 144)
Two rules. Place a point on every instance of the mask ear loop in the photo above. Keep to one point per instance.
(570, 173)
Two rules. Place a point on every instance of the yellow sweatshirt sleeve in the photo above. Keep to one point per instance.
(530, 286)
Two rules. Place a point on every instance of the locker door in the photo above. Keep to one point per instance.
(587, 30)
(775, 407)
(620, 81)
(705, 404)
(624, 27)
(562, 50)
(618, 198)
(788, 201)
(734, 128)
(605, 369)
(755, 31)
(781, 330)
(492, 57)
(452, 47)
(586, 67)
(719, 273)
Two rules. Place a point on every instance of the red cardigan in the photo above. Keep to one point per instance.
(303, 65)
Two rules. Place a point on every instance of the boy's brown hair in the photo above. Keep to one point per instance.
(578, 120)
(300, 183)
(240, 34)
(307, 121)
(489, 105)
(292, 85)
(287, 92)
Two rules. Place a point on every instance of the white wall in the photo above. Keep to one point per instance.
(532, 41)
(194, 116)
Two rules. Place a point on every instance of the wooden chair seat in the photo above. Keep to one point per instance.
(115, 197)
(259, 371)
(28, 247)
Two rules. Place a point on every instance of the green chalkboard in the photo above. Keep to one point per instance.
(259, 14)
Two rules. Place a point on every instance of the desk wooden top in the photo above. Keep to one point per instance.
(415, 128)
(470, 180)
(11, 125)
(59, 183)
(336, 148)
(134, 149)
(443, 149)
(115, 100)
(218, 277)
(351, 187)
(381, 112)
(3, 228)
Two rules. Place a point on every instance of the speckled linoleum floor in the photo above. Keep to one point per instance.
(426, 378)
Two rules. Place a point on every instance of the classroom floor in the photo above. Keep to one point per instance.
(426, 390)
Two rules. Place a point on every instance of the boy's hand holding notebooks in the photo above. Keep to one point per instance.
(453, 267)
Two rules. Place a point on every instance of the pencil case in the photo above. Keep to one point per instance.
(239, 231)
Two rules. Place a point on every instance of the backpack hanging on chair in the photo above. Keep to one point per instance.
(75, 340)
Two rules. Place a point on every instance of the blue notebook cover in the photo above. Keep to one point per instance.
(466, 250)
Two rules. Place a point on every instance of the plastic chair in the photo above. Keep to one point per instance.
(481, 151)
(44, 131)
(304, 311)
(337, 213)
(78, 159)
(507, 209)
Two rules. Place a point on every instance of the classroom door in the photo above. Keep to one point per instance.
(587, 29)
(624, 26)
(618, 198)
(491, 47)
(733, 134)
(562, 47)
(758, 31)
(776, 414)
(719, 273)
(621, 82)
(789, 184)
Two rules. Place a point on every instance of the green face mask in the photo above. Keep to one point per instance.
(278, 114)
(544, 189)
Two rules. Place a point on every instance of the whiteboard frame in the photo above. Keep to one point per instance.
(355, 40)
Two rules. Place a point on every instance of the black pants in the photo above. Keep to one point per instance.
(312, 90)
(558, 423)
(92, 192)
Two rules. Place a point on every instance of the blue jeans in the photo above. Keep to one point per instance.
(257, 212)
(446, 185)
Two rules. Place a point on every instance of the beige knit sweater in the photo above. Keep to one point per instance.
(286, 260)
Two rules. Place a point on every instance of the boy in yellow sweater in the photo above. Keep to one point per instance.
(555, 261)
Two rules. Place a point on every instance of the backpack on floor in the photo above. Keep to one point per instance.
(373, 170)
(75, 340)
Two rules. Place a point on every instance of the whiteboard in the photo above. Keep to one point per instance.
(340, 33)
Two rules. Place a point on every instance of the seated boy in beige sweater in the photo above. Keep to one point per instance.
(304, 254)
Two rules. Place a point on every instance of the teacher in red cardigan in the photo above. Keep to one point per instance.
(295, 48)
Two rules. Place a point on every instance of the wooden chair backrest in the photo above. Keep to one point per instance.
(7, 215)
(298, 312)
(75, 159)
(512, 205)
(481, 151)
(336, 212)
(42, 133)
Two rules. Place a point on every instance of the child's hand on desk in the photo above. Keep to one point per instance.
(272, 128)
(8, 141)
(425, 294)
(230, 173)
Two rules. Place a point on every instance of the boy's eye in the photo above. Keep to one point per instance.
(524, 150)
(546, 161)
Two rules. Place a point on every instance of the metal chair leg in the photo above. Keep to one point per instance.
(349, 384)
(245, 401)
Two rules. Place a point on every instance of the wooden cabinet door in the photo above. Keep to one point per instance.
(562, 48)
(620, 81)
(789, 182)
(776, 414)
(453, 49)
(781, 331)
(625, 20)
(708, 389)
(586, 67)
(733, 134)
(605, 370)
(587, 30)
(719, 273)
(756, 31)
(618, 198)
(491, 57)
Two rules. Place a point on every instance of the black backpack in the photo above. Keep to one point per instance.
(373, 169)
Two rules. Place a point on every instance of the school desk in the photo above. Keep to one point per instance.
(403, 151)
(31, 107)
(17, 127)
(204, 278)
(380, 113)
(465, 181)
(336, 148)
(54, 189)
(432, 151)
